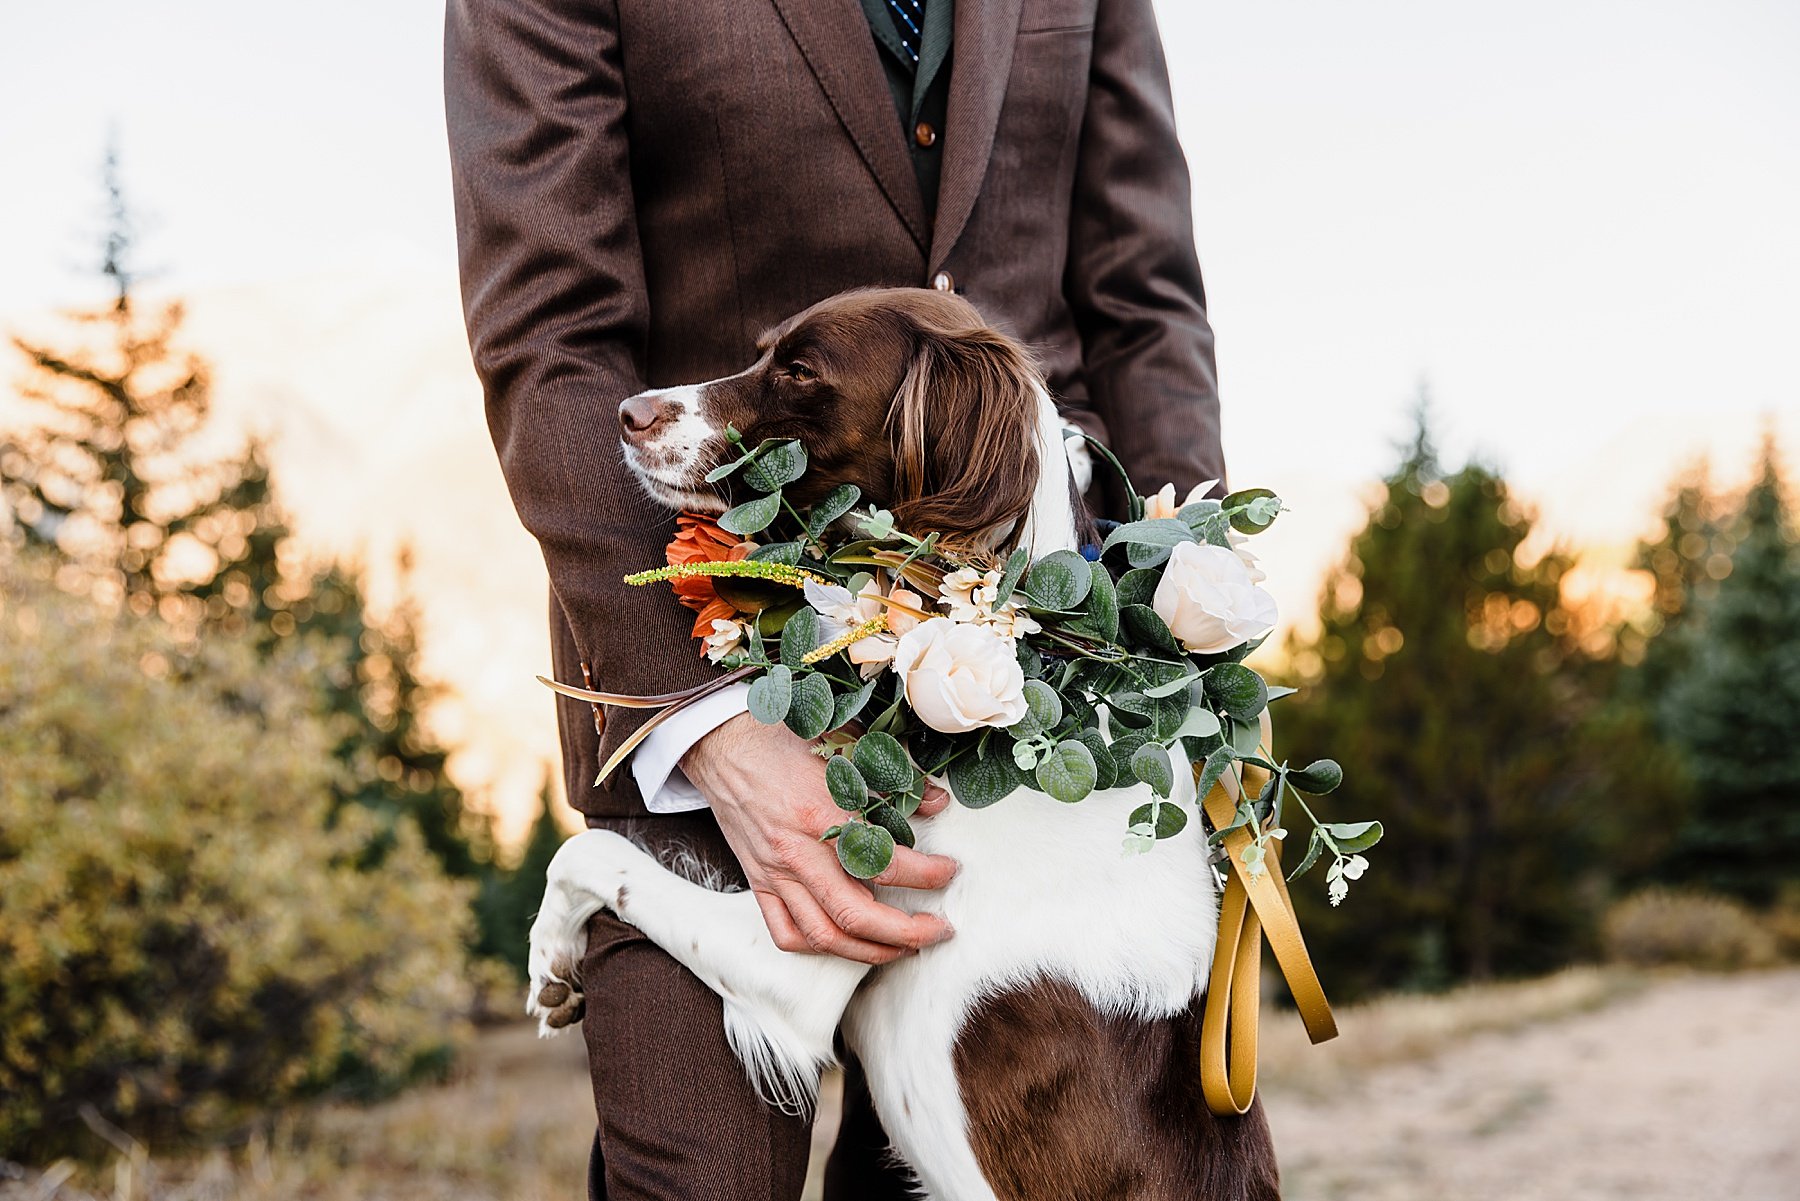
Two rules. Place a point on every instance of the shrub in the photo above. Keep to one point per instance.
(1661, 928)
(183, 941)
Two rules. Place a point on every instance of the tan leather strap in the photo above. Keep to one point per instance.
(1251, 906)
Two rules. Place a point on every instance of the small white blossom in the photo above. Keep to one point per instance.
(1162, 502)
(727, 638)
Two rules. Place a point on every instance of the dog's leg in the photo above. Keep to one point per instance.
(781, 1010)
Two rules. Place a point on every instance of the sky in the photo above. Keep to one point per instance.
(1572, 223)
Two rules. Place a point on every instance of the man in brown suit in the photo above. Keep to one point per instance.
(642, 187)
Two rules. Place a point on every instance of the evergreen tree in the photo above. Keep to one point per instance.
(102, 478)
(1443, 679)
(1734, 706)
(509, 898)
(1685, 564)
(109, 482)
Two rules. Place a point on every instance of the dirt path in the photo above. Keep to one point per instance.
(1688, 1090)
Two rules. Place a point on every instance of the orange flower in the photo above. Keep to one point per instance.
(698, 539)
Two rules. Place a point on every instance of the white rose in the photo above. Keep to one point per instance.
(960, 677)
(1209, 601)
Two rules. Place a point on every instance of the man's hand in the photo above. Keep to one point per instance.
(767, 790)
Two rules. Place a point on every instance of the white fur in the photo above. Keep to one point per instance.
(1044, 893)
(666, 464)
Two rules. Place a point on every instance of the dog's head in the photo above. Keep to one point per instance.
(905, 393)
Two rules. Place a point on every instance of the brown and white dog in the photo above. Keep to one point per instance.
(1048, 1052)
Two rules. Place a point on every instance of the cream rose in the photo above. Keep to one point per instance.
(1208, 599)
(1161, 503)
(960, 677)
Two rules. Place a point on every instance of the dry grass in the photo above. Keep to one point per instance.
(1491, 1065)
(514, 1125)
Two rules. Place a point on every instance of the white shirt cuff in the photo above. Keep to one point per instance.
(656, 764)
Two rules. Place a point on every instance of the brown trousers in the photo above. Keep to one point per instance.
(678, 1121)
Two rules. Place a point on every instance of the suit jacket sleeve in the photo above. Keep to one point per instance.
(1133, 279)
(553, 294)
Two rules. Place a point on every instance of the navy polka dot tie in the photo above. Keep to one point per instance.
(909, 19)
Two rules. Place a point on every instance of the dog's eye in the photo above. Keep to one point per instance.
(801, 371)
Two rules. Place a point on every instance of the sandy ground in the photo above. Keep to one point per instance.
(1689, 1089)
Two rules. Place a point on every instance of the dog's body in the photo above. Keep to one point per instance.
(1048, 1050)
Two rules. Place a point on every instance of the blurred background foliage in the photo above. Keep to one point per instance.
(1532, 764)
(233, 867)
(234, 870)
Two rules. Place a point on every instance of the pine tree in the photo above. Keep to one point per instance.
(108, 481)
(1685, 563)
(103, 478)
(509, 898)
(1444, 680)
(1734, 706)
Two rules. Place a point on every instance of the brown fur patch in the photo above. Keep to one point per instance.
(1065, 1105)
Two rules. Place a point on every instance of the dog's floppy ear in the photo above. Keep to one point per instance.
(963, 426)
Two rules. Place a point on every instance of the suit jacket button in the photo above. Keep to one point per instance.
(924, 134)
(943, 281)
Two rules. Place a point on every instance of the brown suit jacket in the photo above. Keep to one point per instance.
(642, 186)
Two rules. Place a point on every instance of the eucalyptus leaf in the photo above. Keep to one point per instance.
(1060, 580)
(799, 636)
(751, 517)
(1170, 818)
(776, 466)
(833, 505)
(1199, 722)
(1016, 563)
(1245, 737)
(1067, 772)
(865, 850)
(1151, 765)
(1102, 614)
(1277, 691)
(1318, 777)
(1106, 771)
(1171, 687)
(771, 694)
(724, 469)
(1143, 627)
(1259, 507)
(1138, 587)
(1043, 709)
(1212, 771)
(1314, 845)
(1237, 690)
(1163, 532)
(809, 712)
(848, 704)
(977, 783)
(883, 762)
(1352, 837)
(894, 822)
(773, 552)
(848, 788)
(1121, 749)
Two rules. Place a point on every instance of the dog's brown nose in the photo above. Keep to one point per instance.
(637, 414)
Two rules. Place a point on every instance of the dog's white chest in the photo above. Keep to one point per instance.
(1044, 892)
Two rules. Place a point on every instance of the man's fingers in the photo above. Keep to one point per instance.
(854, 911)
(912, 869)
(825, 936)
(935, 801)
(780, 922)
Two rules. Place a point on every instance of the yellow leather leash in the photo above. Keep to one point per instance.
(1253, 904)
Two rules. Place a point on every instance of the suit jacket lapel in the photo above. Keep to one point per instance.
(834, 38)
(983, 50)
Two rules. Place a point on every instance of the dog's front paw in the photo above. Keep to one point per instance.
(555, 998)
